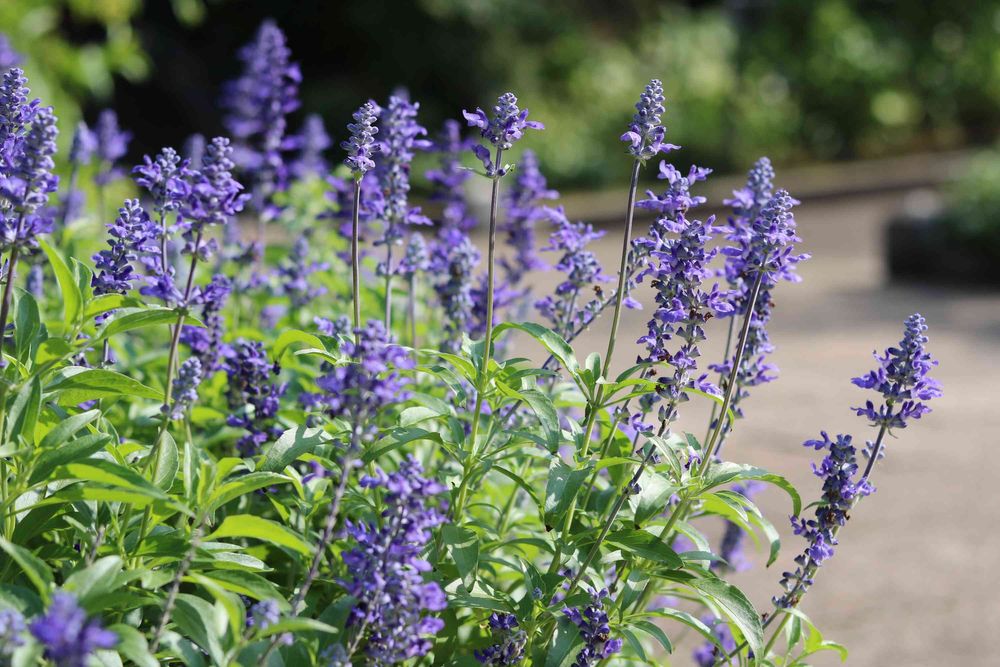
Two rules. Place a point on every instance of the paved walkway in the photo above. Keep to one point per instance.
(915, 580)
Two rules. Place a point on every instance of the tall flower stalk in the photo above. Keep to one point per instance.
(360, 149)
(502, 130)
(902, 379)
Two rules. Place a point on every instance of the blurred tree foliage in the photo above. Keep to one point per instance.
(801, 81)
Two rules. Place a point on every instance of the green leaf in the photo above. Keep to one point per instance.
(167, 464)
(735, 605)
(77, 384)
(249, 584)
(24, 410)
(243, 485)
(292, 444)
(298, 624)
(97, 579)
(645, 545)
(292, 337)
(564, 642)
(68, 287)
(396, 439)
(693, 623)
(67, 427)
(463, 544)
(81, 448)
(653, 497)
(726, 472)
(26, 325)
(656, 632)
(132, 645)
(106, 472)
(127, 319)
(542, 406)
(549, 339)
(34, 568)
(196, 619)
(108, 302)
(250, 526)
(563, 484)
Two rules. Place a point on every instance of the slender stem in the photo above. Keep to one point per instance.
(811, 567)
(175, 586)
(324, 541)
(725, 357)
(592, 409)
(412, 308)
(356, 258)
(470, 460)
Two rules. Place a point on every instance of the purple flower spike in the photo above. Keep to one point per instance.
(902, 378)
(646, 132)
(206, 342)
(394, 603)
(595, 630)
(185, 387)
(166, 178)
(449, 178)
(112, 145)
(523, 212)
(311, 141)
(67, 635)
(506, 127)
(841, 487)
(253, 397)
(508, 642)
(12, 628)
(133, 235)
(577, 299)
(455, 257)
(258, 103)
(214, 199)
(362, 146)
(401, 138)
(8, 56)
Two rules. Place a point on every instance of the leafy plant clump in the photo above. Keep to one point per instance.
(220, 449)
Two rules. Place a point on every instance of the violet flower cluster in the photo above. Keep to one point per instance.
(523, 212)
(840, 489)
(749, 204)
(576, 300)
(595, 630)
(400, 139)
(448, 180)
(311, 141)
(416, 259)
(8, 56)
(259, 102)
(216, 196)
(12, 628)
(27, 146)
(508, 642)
(505, 127)
(902, 378)
(166, 178)
(206, 342)
(680, 269)
(252, 396)
(132, 236)
(455, 258)
(185, 388)
(294, 275)
(361, 145)
(707, 653)
(394, 607)
(68, 636)
(111, 145)
(646, 132)
(357, 391)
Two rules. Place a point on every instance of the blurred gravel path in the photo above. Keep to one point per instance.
(916, 580)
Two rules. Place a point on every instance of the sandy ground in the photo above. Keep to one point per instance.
(914, 581)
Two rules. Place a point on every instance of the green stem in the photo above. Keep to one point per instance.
(483, 374)
(596, 404)
(356, 259)
(412, 308)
